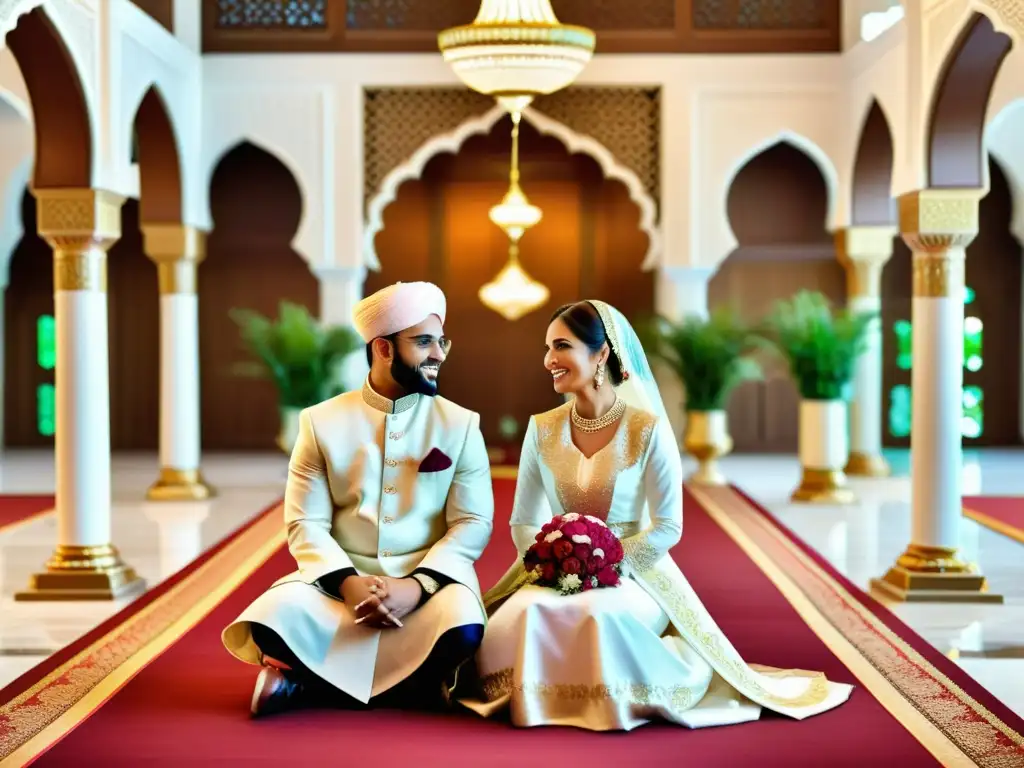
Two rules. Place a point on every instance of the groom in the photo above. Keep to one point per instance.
(388, 505)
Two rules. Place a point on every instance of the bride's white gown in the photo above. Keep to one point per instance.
(616, 658)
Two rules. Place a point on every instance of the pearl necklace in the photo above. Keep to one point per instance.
(596, 425)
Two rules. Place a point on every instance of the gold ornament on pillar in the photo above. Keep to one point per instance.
(177, 250)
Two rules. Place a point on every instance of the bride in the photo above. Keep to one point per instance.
(615, 658)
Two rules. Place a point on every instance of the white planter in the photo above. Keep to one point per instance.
(289, 429)
(824, 449)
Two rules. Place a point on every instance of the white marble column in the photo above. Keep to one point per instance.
(80, 225)
(341, 288)
(864, 251)
(177, 250)
(938, 225)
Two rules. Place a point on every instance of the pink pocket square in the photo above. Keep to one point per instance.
(436, 461)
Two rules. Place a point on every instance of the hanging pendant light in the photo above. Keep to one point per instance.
(515, 50)
(513, 293)
(515, 214)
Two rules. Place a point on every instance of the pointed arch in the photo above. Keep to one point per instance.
(871, 200)
(820, 158)
(452, 141)
(60, 111)
(160, 178)
(287, 161)
(956, 120)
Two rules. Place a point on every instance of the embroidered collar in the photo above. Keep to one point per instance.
(381, 403)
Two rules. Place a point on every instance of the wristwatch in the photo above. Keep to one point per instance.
(430, 585)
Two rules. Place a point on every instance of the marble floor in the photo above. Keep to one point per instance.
(861, 540)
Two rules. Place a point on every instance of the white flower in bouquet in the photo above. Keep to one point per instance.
(570, 517)
(581, 538)
(553, 537)
(569, 583)
(596, 520)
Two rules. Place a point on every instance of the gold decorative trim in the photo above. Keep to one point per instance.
(939, 276)
(867, 465)
(382, 404)
(177, 250)
(80, 225)
(75, 270)
(990, 522)
(928, 574)
(83, 573)
(180, 485)
(823, 486)
(864, 252)
(937, 220)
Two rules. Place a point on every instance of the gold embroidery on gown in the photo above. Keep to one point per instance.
(588, 486)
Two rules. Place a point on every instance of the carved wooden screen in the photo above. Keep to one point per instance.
(622, 26)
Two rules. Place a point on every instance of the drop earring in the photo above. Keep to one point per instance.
(599, 376)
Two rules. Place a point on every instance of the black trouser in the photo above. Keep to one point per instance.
(422, 689)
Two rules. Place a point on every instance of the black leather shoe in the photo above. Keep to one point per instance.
(274, 693)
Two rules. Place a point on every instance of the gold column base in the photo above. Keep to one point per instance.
(83, 573)
(823, 486)
(925, 574)
(180, 485)
(867, 465)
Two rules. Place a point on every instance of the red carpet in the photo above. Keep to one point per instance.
(189, 705)
(1003, 514)
(19, 509)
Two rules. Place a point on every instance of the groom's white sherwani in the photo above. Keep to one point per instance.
(361, 496)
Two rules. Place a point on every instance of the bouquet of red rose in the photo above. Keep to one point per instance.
(575, 553)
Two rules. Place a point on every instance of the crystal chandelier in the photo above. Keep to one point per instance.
(513, 293)
(515, 214)
(515, 50)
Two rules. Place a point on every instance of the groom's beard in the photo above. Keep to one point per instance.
(411, 378)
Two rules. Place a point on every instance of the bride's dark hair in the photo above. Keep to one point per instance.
(587, 326)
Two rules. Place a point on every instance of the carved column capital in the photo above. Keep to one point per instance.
(863, 252)
(176, 249)
(938, 225)
(80, 225)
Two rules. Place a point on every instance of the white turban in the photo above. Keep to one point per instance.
(396, 308)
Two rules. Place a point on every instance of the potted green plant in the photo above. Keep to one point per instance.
(711, 356)
(300, 356)
(820, 345)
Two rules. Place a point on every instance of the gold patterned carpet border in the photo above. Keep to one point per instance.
(979, 736)
(30, 715)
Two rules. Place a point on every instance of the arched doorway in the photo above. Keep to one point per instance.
(777, 208)
(588, 245)
(256, 205)
(992, 330)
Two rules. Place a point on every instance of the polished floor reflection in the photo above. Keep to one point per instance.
(156, 538)
(864, 539)
(861, 540)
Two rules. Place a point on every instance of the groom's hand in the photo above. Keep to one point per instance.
(403, 595)
(366, 595)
